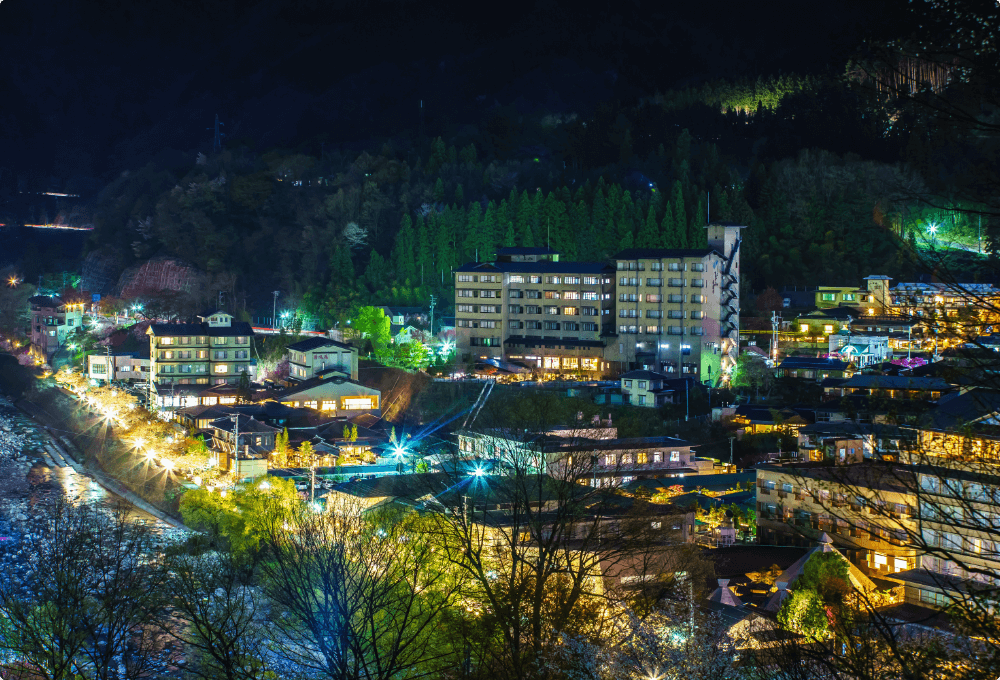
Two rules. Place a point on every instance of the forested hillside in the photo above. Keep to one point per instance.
(334, 229)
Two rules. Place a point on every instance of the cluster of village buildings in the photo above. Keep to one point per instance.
(658, 322)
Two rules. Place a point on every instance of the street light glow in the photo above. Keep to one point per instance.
(932, 228)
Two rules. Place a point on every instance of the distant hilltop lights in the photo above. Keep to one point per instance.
(51, 193)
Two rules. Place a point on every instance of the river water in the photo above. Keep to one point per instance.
(29, 470)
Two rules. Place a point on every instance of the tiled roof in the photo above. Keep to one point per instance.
(656, 253)
(241, 328)
(316, 343)
(895, 382)
(812, 362)
(246, 424)
(544, 267)
(516, 250)
(644, 375)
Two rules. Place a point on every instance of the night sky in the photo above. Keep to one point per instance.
(101, 86)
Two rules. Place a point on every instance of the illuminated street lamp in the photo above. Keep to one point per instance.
(13, 281)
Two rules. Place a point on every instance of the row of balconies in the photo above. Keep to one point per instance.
(832, 528)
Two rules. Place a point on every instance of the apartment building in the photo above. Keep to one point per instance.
(868, 509)
(52, 322)
(674, 311)
(677, 310)
(529, 308)
(916, 505)
(215, 351)
(601, 461)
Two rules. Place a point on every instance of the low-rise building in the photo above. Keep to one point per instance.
(890, 387)
(600, 462)
(53, 320)
(321, 357)
(336, 395)
(646, 388)
(860, 349)
(244, 444)
(812, 368)
(131, 367)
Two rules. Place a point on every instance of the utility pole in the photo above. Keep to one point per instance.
(217, 141)
(687, 399)
(274, 309)
(731, 450)
(236, 439)
(433, 301)
(775, 325)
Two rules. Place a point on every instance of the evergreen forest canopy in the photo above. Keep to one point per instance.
(831, 186)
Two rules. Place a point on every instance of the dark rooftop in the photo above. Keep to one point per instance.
(655, 253)
(644, 375)
(812, 363)
(543, 267)
(241, 328)
(895, 382)
(316, 343)
(520, 250)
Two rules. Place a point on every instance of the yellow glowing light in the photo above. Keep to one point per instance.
(168, 464)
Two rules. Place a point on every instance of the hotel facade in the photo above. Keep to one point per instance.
(670, 310)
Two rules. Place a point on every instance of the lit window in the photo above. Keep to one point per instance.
(657, 457)
(166, 341)
(329, 405)
(609, 459)
(358, 403)
(589, 364)
(642, 458)
(675, 456)
(221, 368)
(804, 327)
(828, 328)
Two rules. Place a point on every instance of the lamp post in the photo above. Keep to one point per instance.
(274, 308)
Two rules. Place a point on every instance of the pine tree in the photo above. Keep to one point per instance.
(649, 233)
(491, 234)
(439, 156)
(439, 191)
(459, 195)
(680, 214)
(472, 236)
(423, 265)
(402, 252)
(375, 272)
(444, 243)
(468, 154)
(668, 228)
(697, 235)
(508, 236)
(527, 218)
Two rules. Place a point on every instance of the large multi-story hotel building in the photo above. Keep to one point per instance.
(215, 351)
(529, 307)
(669, 310)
